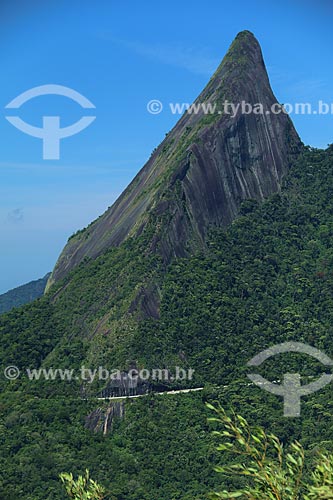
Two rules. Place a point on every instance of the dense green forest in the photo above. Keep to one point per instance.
(265, 279)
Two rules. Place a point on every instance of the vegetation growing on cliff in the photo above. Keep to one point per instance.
(266, 279)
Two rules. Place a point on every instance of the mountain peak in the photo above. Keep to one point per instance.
(244, 41)
(239, 72)
(207, 165)
(244, 49)
(246, 36)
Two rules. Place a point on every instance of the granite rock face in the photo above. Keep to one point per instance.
(203, 170)
(102, 419)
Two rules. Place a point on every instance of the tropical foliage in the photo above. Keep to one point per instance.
(266, 279)
(270, 471)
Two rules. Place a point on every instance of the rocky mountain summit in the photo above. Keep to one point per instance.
(204, 169)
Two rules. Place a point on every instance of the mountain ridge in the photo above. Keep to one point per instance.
(205, 167)
(23, 294)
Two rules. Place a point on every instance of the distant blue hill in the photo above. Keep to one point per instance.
(22, 294)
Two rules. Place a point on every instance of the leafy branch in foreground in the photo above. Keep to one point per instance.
(270, 471)
(84, 488)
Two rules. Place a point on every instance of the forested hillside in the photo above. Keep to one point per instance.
(265, 279)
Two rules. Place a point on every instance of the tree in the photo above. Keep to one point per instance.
(271, 472)
(84, 488)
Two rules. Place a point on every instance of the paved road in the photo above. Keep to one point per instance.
(160, 393)
(182, 391)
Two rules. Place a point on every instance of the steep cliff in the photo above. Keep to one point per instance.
(207, 165)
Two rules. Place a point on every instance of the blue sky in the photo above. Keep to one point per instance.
(120, 55)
